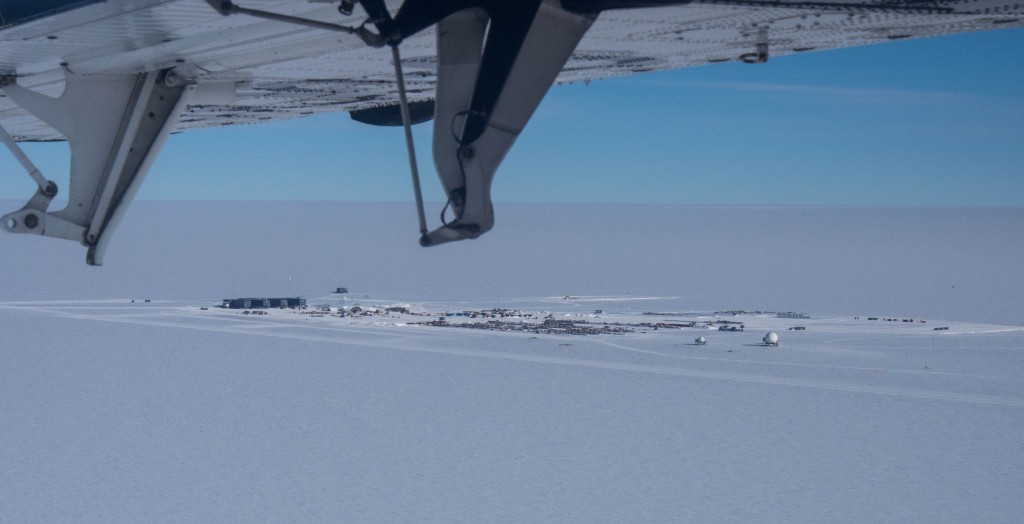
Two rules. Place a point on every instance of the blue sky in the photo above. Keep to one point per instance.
(930, 122)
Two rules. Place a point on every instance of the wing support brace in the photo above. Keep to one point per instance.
(115, 126)
(496, 61)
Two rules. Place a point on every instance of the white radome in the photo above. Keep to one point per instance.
(701, 341)
(771, 339)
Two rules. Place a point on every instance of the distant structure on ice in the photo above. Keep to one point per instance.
(791, 314)
(771, 339)
(701, 341)
(263, 303)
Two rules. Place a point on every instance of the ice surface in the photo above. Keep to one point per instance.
(160, 412)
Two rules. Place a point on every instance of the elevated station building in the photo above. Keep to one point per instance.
(264, 303)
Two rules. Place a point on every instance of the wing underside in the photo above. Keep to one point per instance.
(252, 70)
(116, 78)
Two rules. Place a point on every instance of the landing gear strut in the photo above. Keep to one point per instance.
(496, 60)
(115, 126)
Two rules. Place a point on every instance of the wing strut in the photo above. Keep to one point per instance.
(378, 12)
(115, 126)
(407, 124)
(46, 187)
(227, 7)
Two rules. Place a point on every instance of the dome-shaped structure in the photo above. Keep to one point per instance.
(701, 341)
(771, 339)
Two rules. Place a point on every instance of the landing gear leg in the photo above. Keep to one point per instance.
(477, 119)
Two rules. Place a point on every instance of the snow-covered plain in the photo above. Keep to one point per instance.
(118, 411)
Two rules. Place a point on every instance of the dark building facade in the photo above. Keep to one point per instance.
(264, 303)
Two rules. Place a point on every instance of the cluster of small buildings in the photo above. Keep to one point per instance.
(355, 311)
(489, 313)
(495, 319)
(571, 327)
(791, 314)
(738, 312)
(668, 325)
(904, 320)
(548, 326)
(726, 325)
(735, 313)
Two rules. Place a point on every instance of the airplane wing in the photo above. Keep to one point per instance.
(115, 77)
